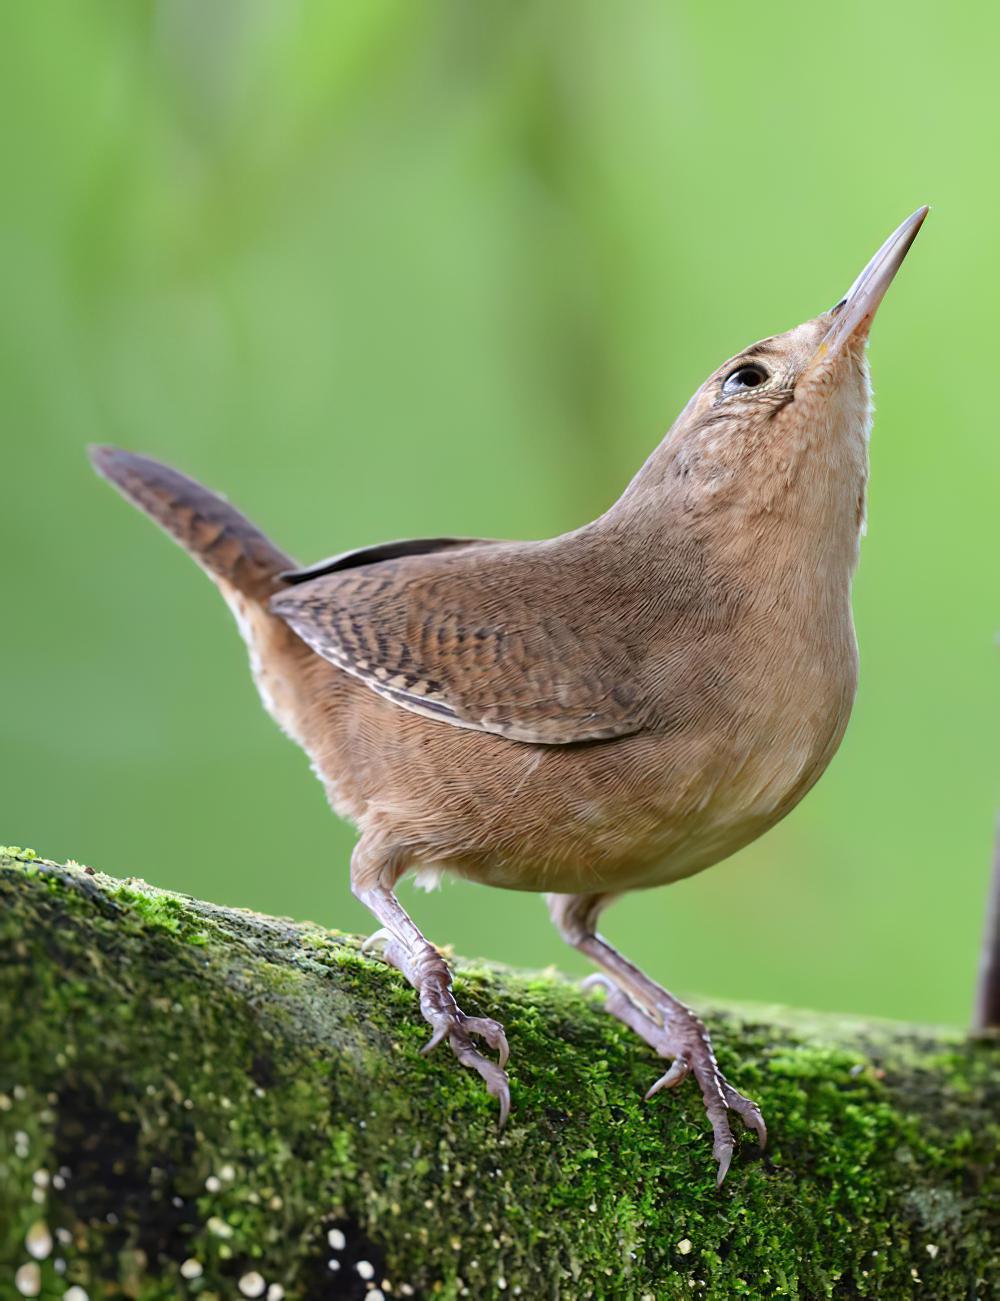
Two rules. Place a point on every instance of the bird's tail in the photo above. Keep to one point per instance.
(226, 545)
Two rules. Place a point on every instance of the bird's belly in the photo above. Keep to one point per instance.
(677, 811)
(608, 817)
(613, 854)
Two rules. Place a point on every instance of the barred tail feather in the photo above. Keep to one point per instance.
(214, 533)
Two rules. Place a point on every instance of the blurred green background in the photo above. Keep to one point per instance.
(385, 268)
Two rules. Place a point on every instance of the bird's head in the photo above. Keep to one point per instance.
(781, 429)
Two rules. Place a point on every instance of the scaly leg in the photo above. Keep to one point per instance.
(406, 948)
(663, 1021)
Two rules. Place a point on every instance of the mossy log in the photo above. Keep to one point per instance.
(198, 1101)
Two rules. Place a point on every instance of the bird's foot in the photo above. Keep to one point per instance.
(681, 1036)
(428, 973)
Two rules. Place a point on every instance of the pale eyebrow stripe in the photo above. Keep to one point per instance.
(766, 348)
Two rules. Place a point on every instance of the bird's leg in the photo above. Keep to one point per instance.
(665, 1023)
(406, 948)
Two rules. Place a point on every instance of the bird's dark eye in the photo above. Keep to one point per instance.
(747, 377)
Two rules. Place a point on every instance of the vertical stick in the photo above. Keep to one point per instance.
(986, 1015)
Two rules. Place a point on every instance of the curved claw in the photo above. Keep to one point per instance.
(723, 1153)
(501, 1092)
(679, 1070)
(597, 981)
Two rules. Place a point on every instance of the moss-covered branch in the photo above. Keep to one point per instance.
(198, 1101)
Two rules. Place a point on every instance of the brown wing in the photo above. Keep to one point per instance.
(502, 637)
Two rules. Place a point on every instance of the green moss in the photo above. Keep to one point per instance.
(224, 1088)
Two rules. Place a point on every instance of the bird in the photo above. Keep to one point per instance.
(612, 709)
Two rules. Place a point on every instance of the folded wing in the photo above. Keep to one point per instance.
(503, 637)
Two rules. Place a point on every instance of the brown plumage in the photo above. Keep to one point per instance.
(604, 711)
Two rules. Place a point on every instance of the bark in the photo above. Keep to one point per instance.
(201, 1101)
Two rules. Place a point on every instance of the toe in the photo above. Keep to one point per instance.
(722, 1148)
(378, 939)
(492, 1075)
(492, 1031)
(678, 1072)
(441, 1032)
(748, 1111)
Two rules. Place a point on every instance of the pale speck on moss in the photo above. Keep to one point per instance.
(192, 1268)
(365, 1269)
(28, 1280)
(38, 1240)
(252, 1284)
(76, 1293)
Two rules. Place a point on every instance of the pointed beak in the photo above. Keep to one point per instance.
(853, 315)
